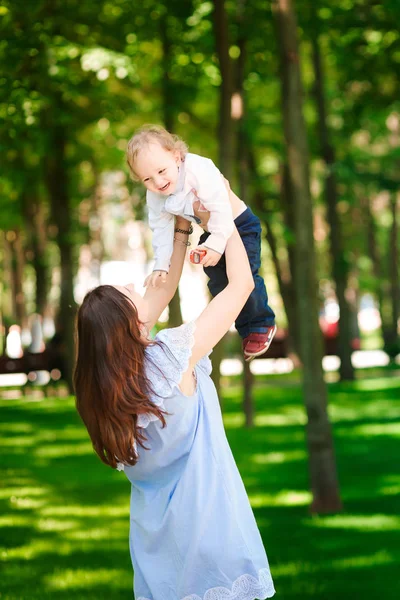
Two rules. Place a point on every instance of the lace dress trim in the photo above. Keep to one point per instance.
(246, 587)
(165, 365)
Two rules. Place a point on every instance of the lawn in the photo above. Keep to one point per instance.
(64, 516)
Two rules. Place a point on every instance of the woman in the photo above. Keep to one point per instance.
(152, 410)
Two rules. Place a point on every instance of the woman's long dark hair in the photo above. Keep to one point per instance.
(110, 381)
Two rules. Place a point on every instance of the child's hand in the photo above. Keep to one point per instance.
(211, 258)
(155, 279)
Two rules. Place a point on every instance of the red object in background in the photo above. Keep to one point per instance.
(330, 330)
(196, 256)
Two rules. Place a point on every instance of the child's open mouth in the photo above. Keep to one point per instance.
(164, 189)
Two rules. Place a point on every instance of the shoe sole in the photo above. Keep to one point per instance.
(249, 357)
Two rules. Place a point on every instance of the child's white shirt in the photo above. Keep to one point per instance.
(199, 179)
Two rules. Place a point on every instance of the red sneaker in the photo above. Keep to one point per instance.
(257, 344)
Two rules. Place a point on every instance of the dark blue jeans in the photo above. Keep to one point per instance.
(256, 315)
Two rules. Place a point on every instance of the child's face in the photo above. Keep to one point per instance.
(157, 168)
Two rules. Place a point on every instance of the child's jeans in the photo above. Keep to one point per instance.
(256, 315)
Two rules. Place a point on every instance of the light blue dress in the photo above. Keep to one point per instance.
(193, 535)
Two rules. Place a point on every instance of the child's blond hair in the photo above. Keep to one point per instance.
(153, 133)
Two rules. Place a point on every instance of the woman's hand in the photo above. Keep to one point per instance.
(155, 279)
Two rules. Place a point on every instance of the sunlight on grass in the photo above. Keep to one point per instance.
(15, 441)
(27, 503)
(87, 511)
(19, 492)
(234, 420)
(370, 560)
(380, 383)
(59, 450)
(282, 420)
(54, 525)
(16, 428)
(390, 486)
(13, 521)
(359, 522)
(374, 409)
(38, 547)
(283, 498)
(116, 532)
(84, 578)
(278, 457)
(292, 569)
(392, 429)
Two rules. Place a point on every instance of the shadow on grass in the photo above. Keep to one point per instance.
(65, 517)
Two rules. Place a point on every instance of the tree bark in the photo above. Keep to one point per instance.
(286, 288)
(225, 123)
(40, 264)
(374, 254)
(394, 270)
(17, 279)
(225, 130)
(322, 465)
(57, 184)
(248, 401)
(242, 163)
(339, 263)
(169, 111)
(36, 226)
(394, 264)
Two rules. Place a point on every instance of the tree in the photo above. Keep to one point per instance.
(338, 258)
(225, 126)
(323, 476)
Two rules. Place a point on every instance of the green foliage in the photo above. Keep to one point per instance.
(100, 69)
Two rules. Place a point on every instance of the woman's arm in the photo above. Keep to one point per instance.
(221, 312)
(159, 297)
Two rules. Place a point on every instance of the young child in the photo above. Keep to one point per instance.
(187, 185)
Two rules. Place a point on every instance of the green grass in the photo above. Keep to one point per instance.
(64, 517)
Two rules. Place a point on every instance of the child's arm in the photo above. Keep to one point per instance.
(211, 190)
(162, 225)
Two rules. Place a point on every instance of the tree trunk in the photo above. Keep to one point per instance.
(323, 476)
(394, 272)
(17, 271)
(40, 261)
(248, 401)
(286, 288)
(169, 111)
(35, 224)
(57, 182)
(374, 254)
(339, 264)
(225, 130)
(225, 123)
(96, 231)
(242, 162)
(6, 286)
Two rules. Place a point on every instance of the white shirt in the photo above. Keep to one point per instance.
(199, 179)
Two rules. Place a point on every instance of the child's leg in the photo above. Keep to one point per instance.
(256, 316)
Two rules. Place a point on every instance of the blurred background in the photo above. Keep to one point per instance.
(297, 102)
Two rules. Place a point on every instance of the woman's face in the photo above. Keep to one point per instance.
(138, 301)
